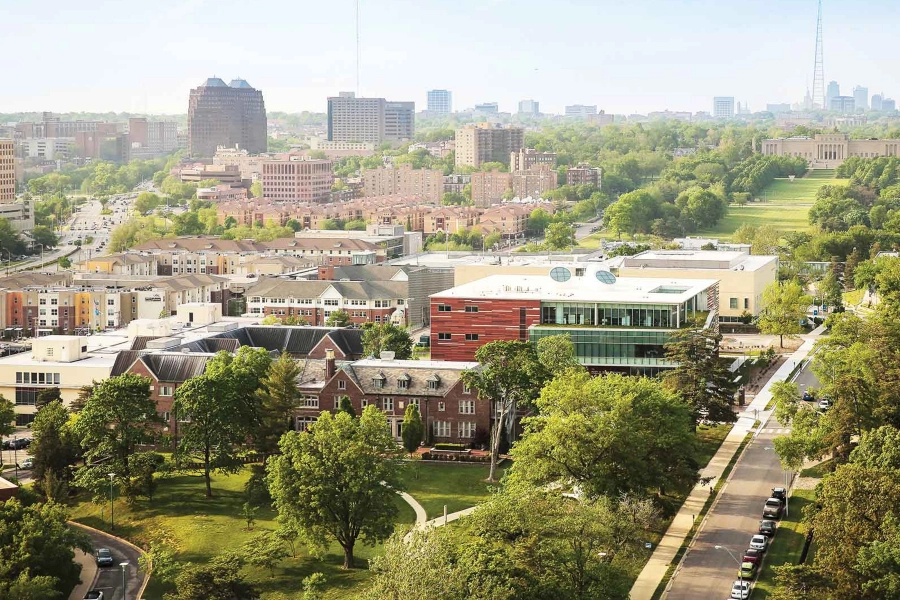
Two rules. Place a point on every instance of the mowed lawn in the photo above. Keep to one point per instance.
(198, 528)
(783, 218)
(457, 485)
(799, 191)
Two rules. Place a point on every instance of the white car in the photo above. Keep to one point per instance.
(27, 464)
(824, 404)
(740, 590)
(759, 542)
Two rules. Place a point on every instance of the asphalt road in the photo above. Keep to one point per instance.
(109, 579)
(707, 572)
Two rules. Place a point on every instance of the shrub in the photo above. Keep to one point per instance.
(451, 447)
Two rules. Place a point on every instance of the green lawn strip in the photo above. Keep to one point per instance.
(198, 529)
(787, 545)
(783, 218)
(661, 588)
(820, 470)
(457, 485)
(854, 297)
(799, 191)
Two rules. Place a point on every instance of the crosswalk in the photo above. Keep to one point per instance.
(781, 430)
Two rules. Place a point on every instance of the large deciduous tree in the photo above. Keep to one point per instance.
(699, 376)
(557, 354)
(7, 416)
(510, 377)
(337, 480)
(784, 308)
(378, 337)
(54, 448)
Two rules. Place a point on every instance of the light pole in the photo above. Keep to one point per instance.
(124, 566)
(734, 558)
(112, 476)
(15, 446)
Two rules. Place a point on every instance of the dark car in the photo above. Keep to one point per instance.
(780, 493)
(94, 595)
(767, 527)
(808, 397)
(752, 555)
(104, 558)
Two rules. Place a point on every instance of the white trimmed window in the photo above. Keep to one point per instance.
(467, 407)
(166, 390)
(466, 429)
(441, 428)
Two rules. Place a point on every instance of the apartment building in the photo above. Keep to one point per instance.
(250, 165)
(227, 174)
(7, 172)
(534, 182)
(525, 158)
(369, 120)
(297, 180)
(489, 188)
(584, 174)
(427, 184)
(485, 142)
(125, 263)
(222, 193)
(221, 114)
(451, 219)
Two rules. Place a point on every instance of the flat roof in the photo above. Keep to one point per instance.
(416, 364)
(459, 259)
(24, 359)
(713, 260)
(588, 288)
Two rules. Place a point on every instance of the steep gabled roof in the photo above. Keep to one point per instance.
(124, 360)
(175, 367)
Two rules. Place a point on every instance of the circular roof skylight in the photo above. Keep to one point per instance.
(605, 277)
(560, 274)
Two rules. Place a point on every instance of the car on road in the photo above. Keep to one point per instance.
(94, 595)
(27, 464)
(807, 396)
(747, 570)
(104, 558)
(752, 555)
(740, 590)
(767, 527)
(773, 509)
(759, 542)
(824, 404)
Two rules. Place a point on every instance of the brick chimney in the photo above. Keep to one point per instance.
(326, 272)
(329, 364)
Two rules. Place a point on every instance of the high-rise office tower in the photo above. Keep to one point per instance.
(861, 98)
(833, 91)
(221, 114)
(530, 108)
(877, 101)
(371, 120)
(723, 107)
(440, 102)
(7, 172)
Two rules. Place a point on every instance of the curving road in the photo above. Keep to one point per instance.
(109, 579)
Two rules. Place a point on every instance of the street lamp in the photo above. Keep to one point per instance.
(15, 446)
(112, 476)
(124, 566)
(734, 558)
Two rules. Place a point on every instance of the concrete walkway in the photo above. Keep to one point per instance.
(88, 575)
(655, 569)
(421, 517)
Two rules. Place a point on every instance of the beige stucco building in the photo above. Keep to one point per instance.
(427, 184)
(7, 172)
(829, 150)
(485, 142)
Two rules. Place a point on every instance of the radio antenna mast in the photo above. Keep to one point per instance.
(819, 69)
(357, 47)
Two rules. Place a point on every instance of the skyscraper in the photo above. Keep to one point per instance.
(225, 115)
(440, 102)
(723, 107)
(861, 98)
(530, 108)
(372, 120)
(477, 144)
(7, 172)
(877, 101)
(833, 91)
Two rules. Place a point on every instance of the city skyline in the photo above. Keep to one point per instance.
(636, 65)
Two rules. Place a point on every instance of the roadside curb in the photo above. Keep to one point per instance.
(127, 543)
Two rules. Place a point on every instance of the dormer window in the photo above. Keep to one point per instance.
(378, 381)
(434, 382)
(403, 382)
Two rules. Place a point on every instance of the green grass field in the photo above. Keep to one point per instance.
(799, 191)
(459, 486)
(784, 218)
(787, 545)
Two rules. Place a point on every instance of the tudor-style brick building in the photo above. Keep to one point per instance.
(451, 411)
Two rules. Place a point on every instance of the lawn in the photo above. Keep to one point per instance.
(854, 297)
(457, 485)
(787, 545)
(799, 191)
(198, 528)
(784, 218)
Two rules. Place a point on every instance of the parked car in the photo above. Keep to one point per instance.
(759, 542)
(773, 509)
(807, 397)
(104, 558)
(824, 404)
(740, 590)
(747, 570)
(780, 493)
(94, 595)
(27, 464)
(752, 555)
(767, 528)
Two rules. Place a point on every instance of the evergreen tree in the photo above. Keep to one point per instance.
(412, 428)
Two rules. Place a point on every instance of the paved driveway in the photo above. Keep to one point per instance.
(109, 579)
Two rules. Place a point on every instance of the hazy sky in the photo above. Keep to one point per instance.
(623, 55)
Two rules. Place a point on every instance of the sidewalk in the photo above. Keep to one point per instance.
(88, 575)
(655, 569)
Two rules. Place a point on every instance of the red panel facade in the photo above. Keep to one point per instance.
(487, 320)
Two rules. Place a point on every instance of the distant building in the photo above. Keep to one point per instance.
(723, 107)
(229, 174)
(832, 91)
(487, 108)
(457, 182)
(534, 182)
(530, 108)
(778, 109)
(440, 102)
(888, 104)
(877, 101)
(489, 187)
(373, 120)
(584, 174)
(7, 172)
(149, 139)
(581, 111)
(842, 104)
(827, 151)
(225, 115)
(861, 98)
(248, 164)
(477, 144)
(297, 180)
(601, 118)
(525, 158)
(46, 148)
(428, 184)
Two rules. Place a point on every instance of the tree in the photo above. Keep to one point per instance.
(220, 579)
(346, 406)
(510, 377)
(256, 189)
(146, 202)
(412, 428)
(144, 468)
(84, 394)
(217, 422)
(830, 290)
(539, 220)
(7, 416)
(559, 236)
(53, 448)
(699, 376)
(271, 320)
(46, 396)
(36, 543)
(337, 480)
(265, 551)
(557, 354)
(26, 587)
(43, 236)
(119, 416)
(601, 435)
(338, 318)
(380, 337)
(784, 307)
(162, 561)
(64, 262)
(277, 403)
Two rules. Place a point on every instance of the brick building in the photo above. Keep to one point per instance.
(297, 180)
(427, 184)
